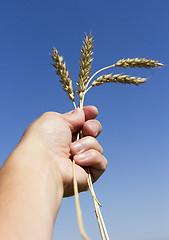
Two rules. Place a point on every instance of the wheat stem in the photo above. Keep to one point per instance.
(94, 197)
(101, 223)
(77, 201)
(95, 201)
(102, 69)
(78, 209)
(88, 89)
(74, 104)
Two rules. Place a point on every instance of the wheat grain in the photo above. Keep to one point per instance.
(63, 73)
(138, 62)
(85, 64)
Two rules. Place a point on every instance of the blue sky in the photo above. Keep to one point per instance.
(134, 191)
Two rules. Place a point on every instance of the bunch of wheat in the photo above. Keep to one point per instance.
(83, 88)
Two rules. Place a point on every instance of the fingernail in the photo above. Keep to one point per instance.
(77, 147)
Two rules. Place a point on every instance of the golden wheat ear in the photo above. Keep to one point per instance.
(118, 78)
(85, 64)
(138, 62)
(63, 73)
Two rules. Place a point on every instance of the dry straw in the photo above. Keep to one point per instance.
(83, 88)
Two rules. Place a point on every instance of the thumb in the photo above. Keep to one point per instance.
(75, 119)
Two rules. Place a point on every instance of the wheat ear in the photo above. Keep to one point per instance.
(118, 78)
(63, 73)
(138, 62)
(85, 70)
(85, 65)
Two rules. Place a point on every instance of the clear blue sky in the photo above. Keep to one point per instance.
(134, 191)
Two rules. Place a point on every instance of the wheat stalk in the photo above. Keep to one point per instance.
(83, 88)
(85, 71)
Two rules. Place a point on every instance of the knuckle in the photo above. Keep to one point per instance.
(48, 114)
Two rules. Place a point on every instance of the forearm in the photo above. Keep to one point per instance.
(30, 196)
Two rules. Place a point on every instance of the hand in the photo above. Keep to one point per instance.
(54, 133)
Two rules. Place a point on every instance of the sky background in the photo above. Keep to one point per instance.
(134, 191)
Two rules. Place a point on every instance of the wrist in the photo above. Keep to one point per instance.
(33, 159)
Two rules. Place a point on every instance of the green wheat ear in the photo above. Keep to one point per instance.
(83, 87)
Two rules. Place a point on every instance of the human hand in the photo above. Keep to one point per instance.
(54, 133)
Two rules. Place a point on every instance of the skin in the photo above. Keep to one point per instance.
(39, 172)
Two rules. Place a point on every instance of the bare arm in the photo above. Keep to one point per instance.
(38, 173)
